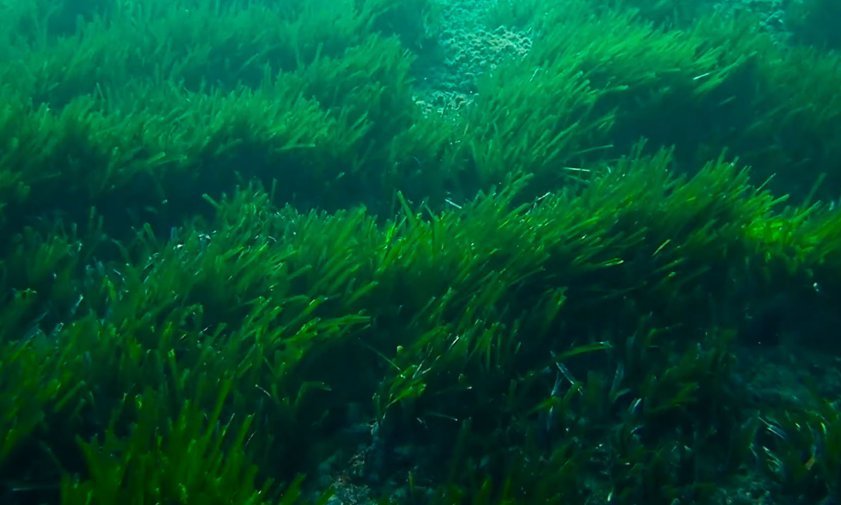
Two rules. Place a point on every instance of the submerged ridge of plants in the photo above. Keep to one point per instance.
(245, 263)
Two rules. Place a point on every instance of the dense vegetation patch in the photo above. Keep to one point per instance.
(376, 251)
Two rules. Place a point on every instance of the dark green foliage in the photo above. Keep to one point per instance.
(800, 451)
(702, 88)
(243, 265)
(177, 461)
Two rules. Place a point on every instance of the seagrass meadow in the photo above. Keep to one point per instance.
(359, 252)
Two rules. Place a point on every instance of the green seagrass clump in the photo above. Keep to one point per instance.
(244, 265)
